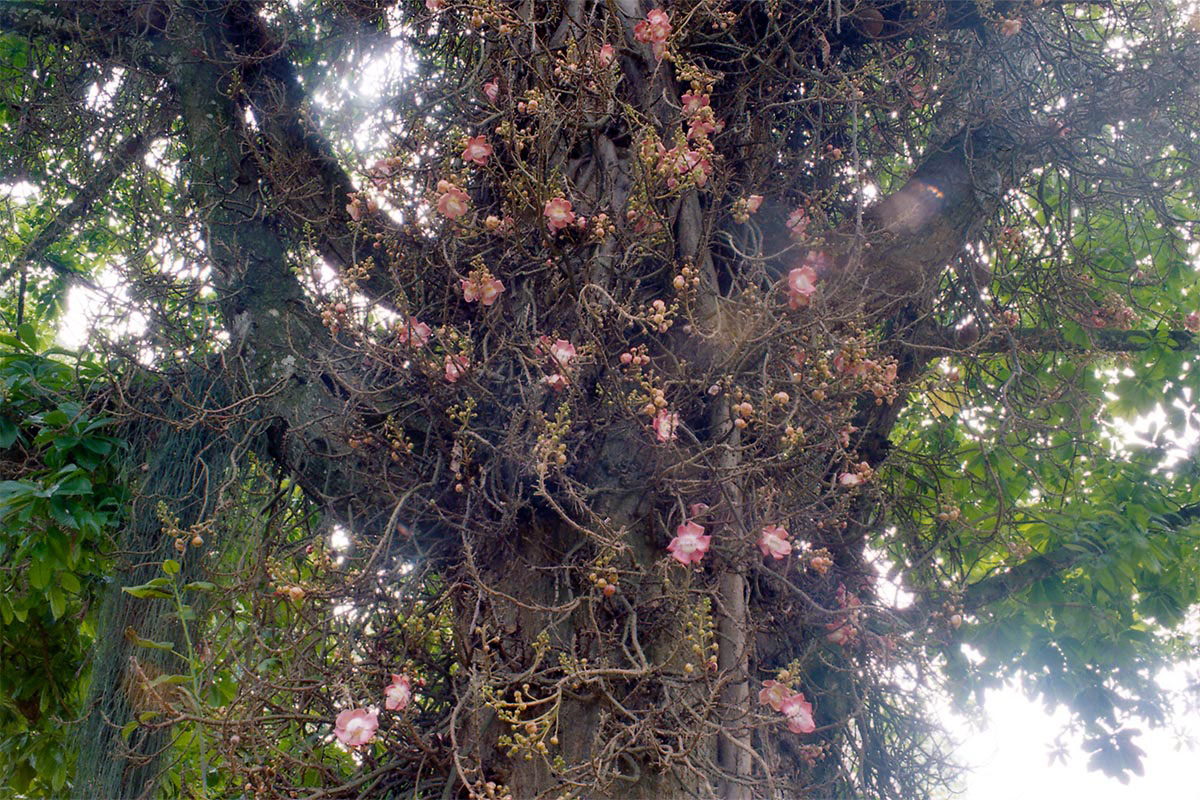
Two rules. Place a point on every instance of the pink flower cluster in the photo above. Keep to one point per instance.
(699, 114)
(802, 281)
(683, 163)
(481, 286)
(357, 209)
(561, 353)
(356, 727)
(792, 705)
(382, 171)
(801, 285)
(412, 332)
(654, 31)
(844, 629)
(861, 474)
(797, 223)
(878, 376)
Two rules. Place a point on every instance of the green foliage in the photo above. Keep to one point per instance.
(61, 498)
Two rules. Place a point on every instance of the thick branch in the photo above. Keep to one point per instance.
(127, 153)
(1007, 584)
(1045, 340)
(264, 306)
(298, 162)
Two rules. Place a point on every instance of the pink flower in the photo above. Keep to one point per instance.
(490, 291)
(453, 202)
(356, 727)
(397, 693)
(487, 292)
(848, 366)
(556, 382)
(753, 203)
(435, 5)
(654, 30)
(412, 332)
(801, 285)
(774, 542)
(702, 126)
(477, 150)
(690, 544)
(491, 90)
(840, 633)
(607, 54)
(1192, 322)
(665, 424)
(850, 479)
(692, 103)
(456, 367)
(1010, 27)
(558, 213)
(797, 222)
(697, 161)
(562, 351)
(381, 172)
(355, 209)
(774, 694)
(798, 713)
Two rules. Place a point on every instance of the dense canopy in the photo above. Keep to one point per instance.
(588, 399)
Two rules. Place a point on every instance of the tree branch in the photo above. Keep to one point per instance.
(125, 154)
(1107, 340)
(298, 161)
(1006, 584)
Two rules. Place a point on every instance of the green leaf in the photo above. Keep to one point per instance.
(28, 335)
(74, 486)
(132, 636)
(69, 581)
(39, 574)
(8, 433)
(171, 680)
(171, 566)
(144, 592)
(200, 586)
(58, 603)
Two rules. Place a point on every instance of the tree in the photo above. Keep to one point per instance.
(656, 339)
